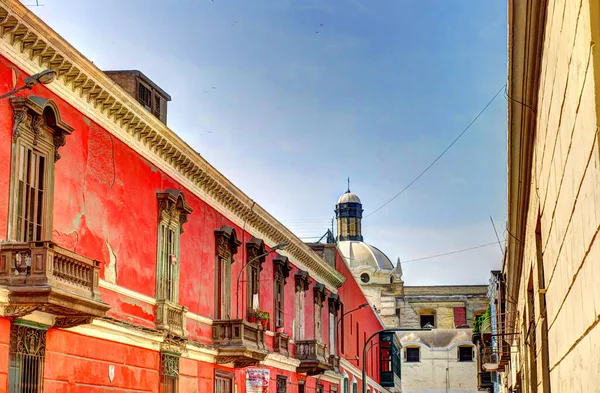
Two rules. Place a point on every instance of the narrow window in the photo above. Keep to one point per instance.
(355, 387)
(157, 104)
(31, 187)
(334, 306)
(223, 275)
(169, 381)
(36, 140)
(465, 354)
(145, 96)
(320, 388)
(255, 254)
(413, 355)
(319, 298)
(281, 271)
(279, 305)
(173, 212)
(226, 246)
(301, 387)
(26, 359)
(281, 384)
(223, 382)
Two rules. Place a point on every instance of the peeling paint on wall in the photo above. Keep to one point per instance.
(110, 273)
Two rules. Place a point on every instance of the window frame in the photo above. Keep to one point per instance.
(173, 212)
(16, 355)
(226, 376)
(460, 354)
(169, 372)
(427, 315)
(226, 246)
(407, 358)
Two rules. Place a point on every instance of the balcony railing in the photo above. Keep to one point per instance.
(239, 342)
(43, 276)
(171, 317)
(312, 356)
(282, 343)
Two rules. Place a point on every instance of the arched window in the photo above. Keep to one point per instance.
(365, 278)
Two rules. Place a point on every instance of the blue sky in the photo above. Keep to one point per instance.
(288, 113)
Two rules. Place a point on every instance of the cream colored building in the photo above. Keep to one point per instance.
(550, 295)
(448, 310)
(438, 361)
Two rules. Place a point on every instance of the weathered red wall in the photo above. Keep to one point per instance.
(352, 296)
(105, 200)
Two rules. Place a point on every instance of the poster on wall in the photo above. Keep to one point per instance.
(257, 380)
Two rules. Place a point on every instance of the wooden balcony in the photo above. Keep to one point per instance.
(282, 344)
(170, 317)
(41, 276)
(311, 354)
(239, 342)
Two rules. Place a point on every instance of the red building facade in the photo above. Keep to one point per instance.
(130, 264)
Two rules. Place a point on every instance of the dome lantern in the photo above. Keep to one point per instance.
(348, 212)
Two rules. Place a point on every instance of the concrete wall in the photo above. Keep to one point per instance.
(565, 193)
(439, 371)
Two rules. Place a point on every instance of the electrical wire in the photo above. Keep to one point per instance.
(439, 156)
(450, 253)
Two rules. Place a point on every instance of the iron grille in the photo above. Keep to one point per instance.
(281, 384)
(170, 373)
(27, 353)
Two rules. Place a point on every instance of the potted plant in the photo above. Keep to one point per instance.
(264, 319)
(253, 316)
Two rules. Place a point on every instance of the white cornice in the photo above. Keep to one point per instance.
(30, 44)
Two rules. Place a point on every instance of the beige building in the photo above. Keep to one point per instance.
(441, 360)
(549, 304)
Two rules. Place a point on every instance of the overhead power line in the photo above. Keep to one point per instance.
(438, 157)
(449, 253)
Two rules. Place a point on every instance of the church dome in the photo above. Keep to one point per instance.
(360, 254)
(348, 197)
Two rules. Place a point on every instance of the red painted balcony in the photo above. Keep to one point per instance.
(313, 360)
(239, 342)
(41, 276)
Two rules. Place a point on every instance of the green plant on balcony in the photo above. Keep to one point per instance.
(479, 319)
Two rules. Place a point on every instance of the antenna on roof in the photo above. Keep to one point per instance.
(348, 184)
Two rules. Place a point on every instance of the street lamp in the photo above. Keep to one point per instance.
(279, 246)
(364, 356)
(43, 77)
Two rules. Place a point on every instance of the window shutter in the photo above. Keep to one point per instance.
(460, 316)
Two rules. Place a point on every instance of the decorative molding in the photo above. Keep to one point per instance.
(72, 320)
(172, 204)
(334, 303)
(35, 108)
(301, 280)
(281, 268)
(319, 293)
(254, 249)
(226, 243)
(31, 45)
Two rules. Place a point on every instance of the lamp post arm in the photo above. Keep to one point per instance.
(15, 91)
(364, 354)
(237, 314)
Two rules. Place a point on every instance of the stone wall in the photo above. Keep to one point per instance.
(561, 264)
